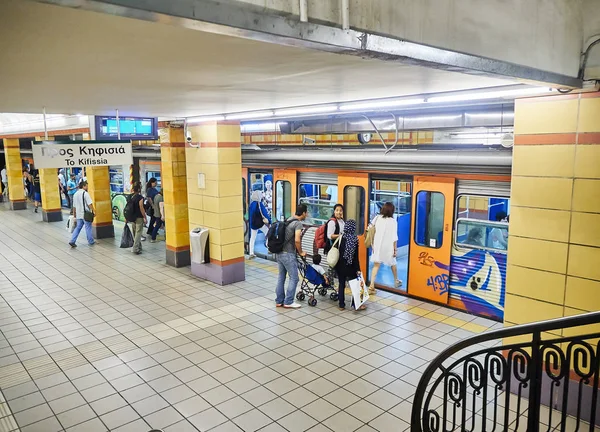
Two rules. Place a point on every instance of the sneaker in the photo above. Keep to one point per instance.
(92, 244)
(251, 256)
(278, 304)
(73, 245)
(138, 252)
(152, 241)
(35, 210)
(293, 306)
(143, 238)
(398, 283)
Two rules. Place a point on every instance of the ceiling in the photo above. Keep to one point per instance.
(74, 61)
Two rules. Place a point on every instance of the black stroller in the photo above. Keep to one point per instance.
(312, 281)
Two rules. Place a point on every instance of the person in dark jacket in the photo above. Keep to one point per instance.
(258, 216)
(348, 266)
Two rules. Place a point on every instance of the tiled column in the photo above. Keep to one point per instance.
(214, 166)
(50, 193)
(174, 188)
(14, 171)
(554, 245)
(99, 189)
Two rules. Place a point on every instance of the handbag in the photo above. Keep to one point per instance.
(370, 234)
(88, 216)
(333, 256)
(127, 237)
(360, 293)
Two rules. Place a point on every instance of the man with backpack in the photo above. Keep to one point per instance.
(135, 213)
(285, 240)
(82, 205)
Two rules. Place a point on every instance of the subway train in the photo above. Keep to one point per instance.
(452, 210)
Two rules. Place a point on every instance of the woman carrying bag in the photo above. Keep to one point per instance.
(257, 215)
(348, 266)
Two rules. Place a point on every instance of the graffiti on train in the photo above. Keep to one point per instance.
(478, 281)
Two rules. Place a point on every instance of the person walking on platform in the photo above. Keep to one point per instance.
(258, 219)
(37, 190)
(151, 192)
(159, 214)
(4, 177)
(62, 187)
(71, 189)
(139, 218)
(82, 203)
(286, 259)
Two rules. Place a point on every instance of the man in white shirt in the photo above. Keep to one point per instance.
(332, 193)
(4, 178)
(62, 183)
(82, 202)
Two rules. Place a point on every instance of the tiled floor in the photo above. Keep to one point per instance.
(97, 339)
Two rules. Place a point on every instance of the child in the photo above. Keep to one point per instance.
(316, 265)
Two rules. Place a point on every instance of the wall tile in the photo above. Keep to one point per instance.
(583, 294)
(542, 192)
(543, 160)
(585, 229)
(536, 284)
(548, 116)
(521, 310)
(537, 254)
(584, 262)
(589, 115)
(586, 195)
(587, 161)
(539, 223)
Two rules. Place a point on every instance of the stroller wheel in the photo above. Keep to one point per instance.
(312, 301)
(334, 296)
(300, 296)
(323, 291)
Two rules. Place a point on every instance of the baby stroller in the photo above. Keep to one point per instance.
(312, 281)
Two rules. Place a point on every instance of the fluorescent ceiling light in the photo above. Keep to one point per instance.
(491, 114)
(205, 119)
(374, 105)
(489, 95)
(306, 110)
(439, 117)
(249, 115)
(259, 127)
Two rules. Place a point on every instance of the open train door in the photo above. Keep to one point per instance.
(431, 242)
(285, 199)
(353, 189)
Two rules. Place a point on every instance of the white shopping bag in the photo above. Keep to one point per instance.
(71, 224)
(360, 292)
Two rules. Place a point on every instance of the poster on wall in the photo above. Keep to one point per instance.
(61, 154)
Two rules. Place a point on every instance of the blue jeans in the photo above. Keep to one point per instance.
(157, 224)
(287, 265)
(88, 231)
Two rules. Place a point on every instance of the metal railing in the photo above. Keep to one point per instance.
(530, 377)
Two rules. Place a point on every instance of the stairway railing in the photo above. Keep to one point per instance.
(531, 377)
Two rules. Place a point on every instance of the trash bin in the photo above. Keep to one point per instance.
(199, 244)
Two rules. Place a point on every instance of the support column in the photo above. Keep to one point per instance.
(174, 188)
(14, 171)
(99, 190)
(215, 198)
(554, 244)
(50, 193)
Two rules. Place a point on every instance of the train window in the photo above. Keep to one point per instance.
(283, 206)
(354, 203)
(482, 208)
(264, 183)
(429, 227)
(320, 200)
(244, 197)
(479, 234)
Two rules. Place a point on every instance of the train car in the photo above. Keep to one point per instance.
(452, 211)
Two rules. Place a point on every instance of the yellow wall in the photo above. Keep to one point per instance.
(406, 138)
(554, 245)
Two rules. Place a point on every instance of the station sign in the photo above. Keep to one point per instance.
(65, 154)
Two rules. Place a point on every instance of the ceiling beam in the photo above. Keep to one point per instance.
(239, 20)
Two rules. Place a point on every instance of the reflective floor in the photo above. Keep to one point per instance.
(96, 338)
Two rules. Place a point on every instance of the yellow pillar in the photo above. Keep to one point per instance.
(14, 171)
(50, 192)
(554, 245)
(99, 190)
(174, 189)
(214, 166)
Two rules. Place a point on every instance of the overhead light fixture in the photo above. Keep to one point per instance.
(491, 114)
(306, 110)
(463, 97)
(438, 117)
(260, 127)
(375, 105)
(249, 115)
(205, 119)
(468, 136)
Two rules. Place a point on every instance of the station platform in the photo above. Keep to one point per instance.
(96, 338)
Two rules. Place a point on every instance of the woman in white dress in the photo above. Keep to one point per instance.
(384, 243)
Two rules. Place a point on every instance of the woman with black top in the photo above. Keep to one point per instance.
(348, 266)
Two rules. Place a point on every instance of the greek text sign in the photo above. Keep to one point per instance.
(61, 154)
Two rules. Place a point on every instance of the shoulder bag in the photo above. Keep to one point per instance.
(88, 216)
(333, 256)
(370, 234)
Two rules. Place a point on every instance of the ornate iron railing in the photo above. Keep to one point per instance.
(535, 377)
